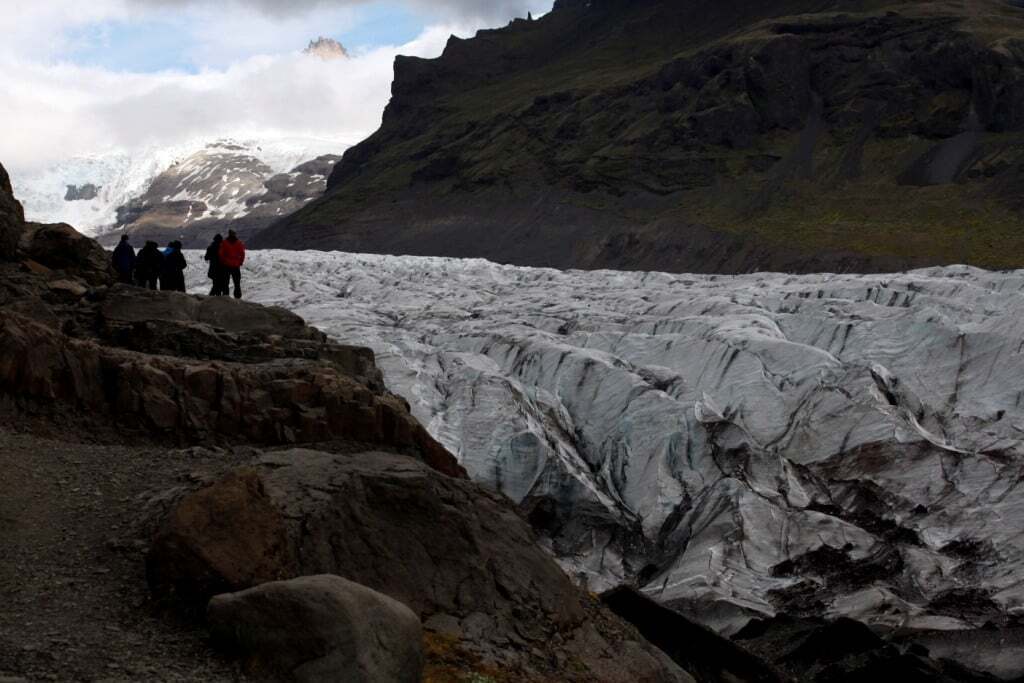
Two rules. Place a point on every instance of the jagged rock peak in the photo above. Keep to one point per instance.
(86, 192)
(326, 49)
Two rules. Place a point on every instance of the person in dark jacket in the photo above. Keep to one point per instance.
(148, 265)
(172, 273)
(232, 256)
(124, 260)
(216, 272)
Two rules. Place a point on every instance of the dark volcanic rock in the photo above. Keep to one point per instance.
(845, 650)
(12, 219)
(129, 363)
(61, 247)
(706, 655)
(279, 399)
(620, 134)
(319, 628)
(447, 548)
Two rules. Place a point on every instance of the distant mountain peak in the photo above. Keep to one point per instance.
(326, 49)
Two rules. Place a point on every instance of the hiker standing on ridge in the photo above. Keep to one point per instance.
(148, 265)
(216, 272)
(123, 260)
(232, 256)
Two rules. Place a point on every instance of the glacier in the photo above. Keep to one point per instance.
(834, 444)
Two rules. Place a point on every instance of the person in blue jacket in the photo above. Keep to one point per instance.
(124, 260)
(172, 272)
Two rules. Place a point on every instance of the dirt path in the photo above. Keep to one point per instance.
(73, 598)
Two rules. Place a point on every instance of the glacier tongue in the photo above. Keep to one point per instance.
(839, 444)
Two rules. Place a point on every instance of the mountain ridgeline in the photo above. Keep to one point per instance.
(705, 135)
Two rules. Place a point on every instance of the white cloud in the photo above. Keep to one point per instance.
(253, 81)
(54, 111)
(460, 9)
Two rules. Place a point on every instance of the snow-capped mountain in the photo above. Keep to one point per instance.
(125, 180)
(826, 444)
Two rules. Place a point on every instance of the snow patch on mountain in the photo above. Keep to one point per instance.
(822, 444)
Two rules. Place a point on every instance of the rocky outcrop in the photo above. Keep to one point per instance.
(60, 247)
(456, 554)
(268, 400)
(81, 193)
(796, 135)
(326, 49)
(816, 651)
(784, 650)
(12, 219)
(132, 363)
(320, 628)
(708, 656)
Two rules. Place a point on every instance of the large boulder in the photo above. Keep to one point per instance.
(12, 219)
(61, 247)
(458, 555)
(320, 628)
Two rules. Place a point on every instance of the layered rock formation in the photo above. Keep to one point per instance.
(702, 136)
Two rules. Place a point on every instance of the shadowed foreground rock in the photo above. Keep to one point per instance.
(12, 219)
(845, 650)
(455, 553)
(320, 628)
(702, 652)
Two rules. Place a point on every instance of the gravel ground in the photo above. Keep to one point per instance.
(74, 520)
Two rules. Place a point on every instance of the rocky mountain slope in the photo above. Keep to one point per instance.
(739, 447)
(699, 136)
(96, 377)
(223, 186)
(185, 191)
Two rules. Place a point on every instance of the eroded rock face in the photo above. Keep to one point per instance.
(277, 401)
(12, 218)
(845, 650)
(133, 363)
(320, 628)
(709, 656)
(445, 547)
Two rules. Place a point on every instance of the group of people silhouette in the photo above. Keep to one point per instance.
(155, 268)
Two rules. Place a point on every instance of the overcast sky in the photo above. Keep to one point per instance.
(78, 77)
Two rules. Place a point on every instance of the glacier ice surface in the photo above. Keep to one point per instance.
(832, 444)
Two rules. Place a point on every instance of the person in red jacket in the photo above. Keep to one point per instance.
(232, 256)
